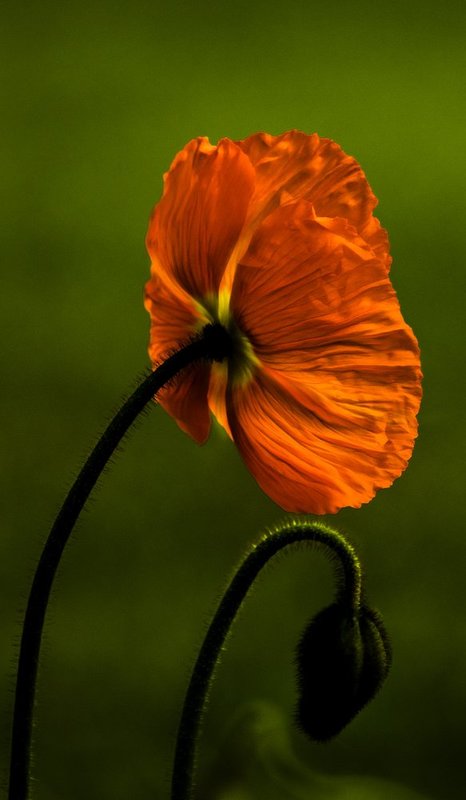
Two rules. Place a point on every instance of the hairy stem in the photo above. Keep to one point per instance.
(348, 575)
(212, 344)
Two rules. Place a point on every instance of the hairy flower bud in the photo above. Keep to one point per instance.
(342, 661)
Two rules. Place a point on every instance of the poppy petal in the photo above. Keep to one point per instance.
(175, 317)
(197, 222)
(217, 394)
(317, 170)
(309, 282)
(303, 463)
(339, 379)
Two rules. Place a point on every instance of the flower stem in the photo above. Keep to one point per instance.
(212, 345)
(348, 576)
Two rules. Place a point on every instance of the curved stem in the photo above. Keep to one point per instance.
(212, 344)
(348, 575)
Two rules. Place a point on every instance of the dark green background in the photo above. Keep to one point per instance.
(96, 100)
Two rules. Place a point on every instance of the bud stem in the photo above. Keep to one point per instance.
(348, 577)
(212, 345)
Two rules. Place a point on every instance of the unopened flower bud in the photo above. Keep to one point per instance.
(343, 658)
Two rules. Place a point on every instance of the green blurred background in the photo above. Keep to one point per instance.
(96, 100)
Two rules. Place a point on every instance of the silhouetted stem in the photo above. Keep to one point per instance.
(348, 575)
(212, 344)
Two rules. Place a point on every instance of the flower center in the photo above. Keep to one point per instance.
(242, 360)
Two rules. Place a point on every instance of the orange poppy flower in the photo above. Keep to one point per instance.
(274, 237)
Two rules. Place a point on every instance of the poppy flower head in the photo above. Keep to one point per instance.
(274, 238)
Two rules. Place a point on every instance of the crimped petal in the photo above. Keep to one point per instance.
(301, 461)
(314, 169)
(197, 222)
(308, 281)
(174, 319)
(330, 416)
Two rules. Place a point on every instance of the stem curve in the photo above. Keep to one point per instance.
(348, 576)
(213, 345)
